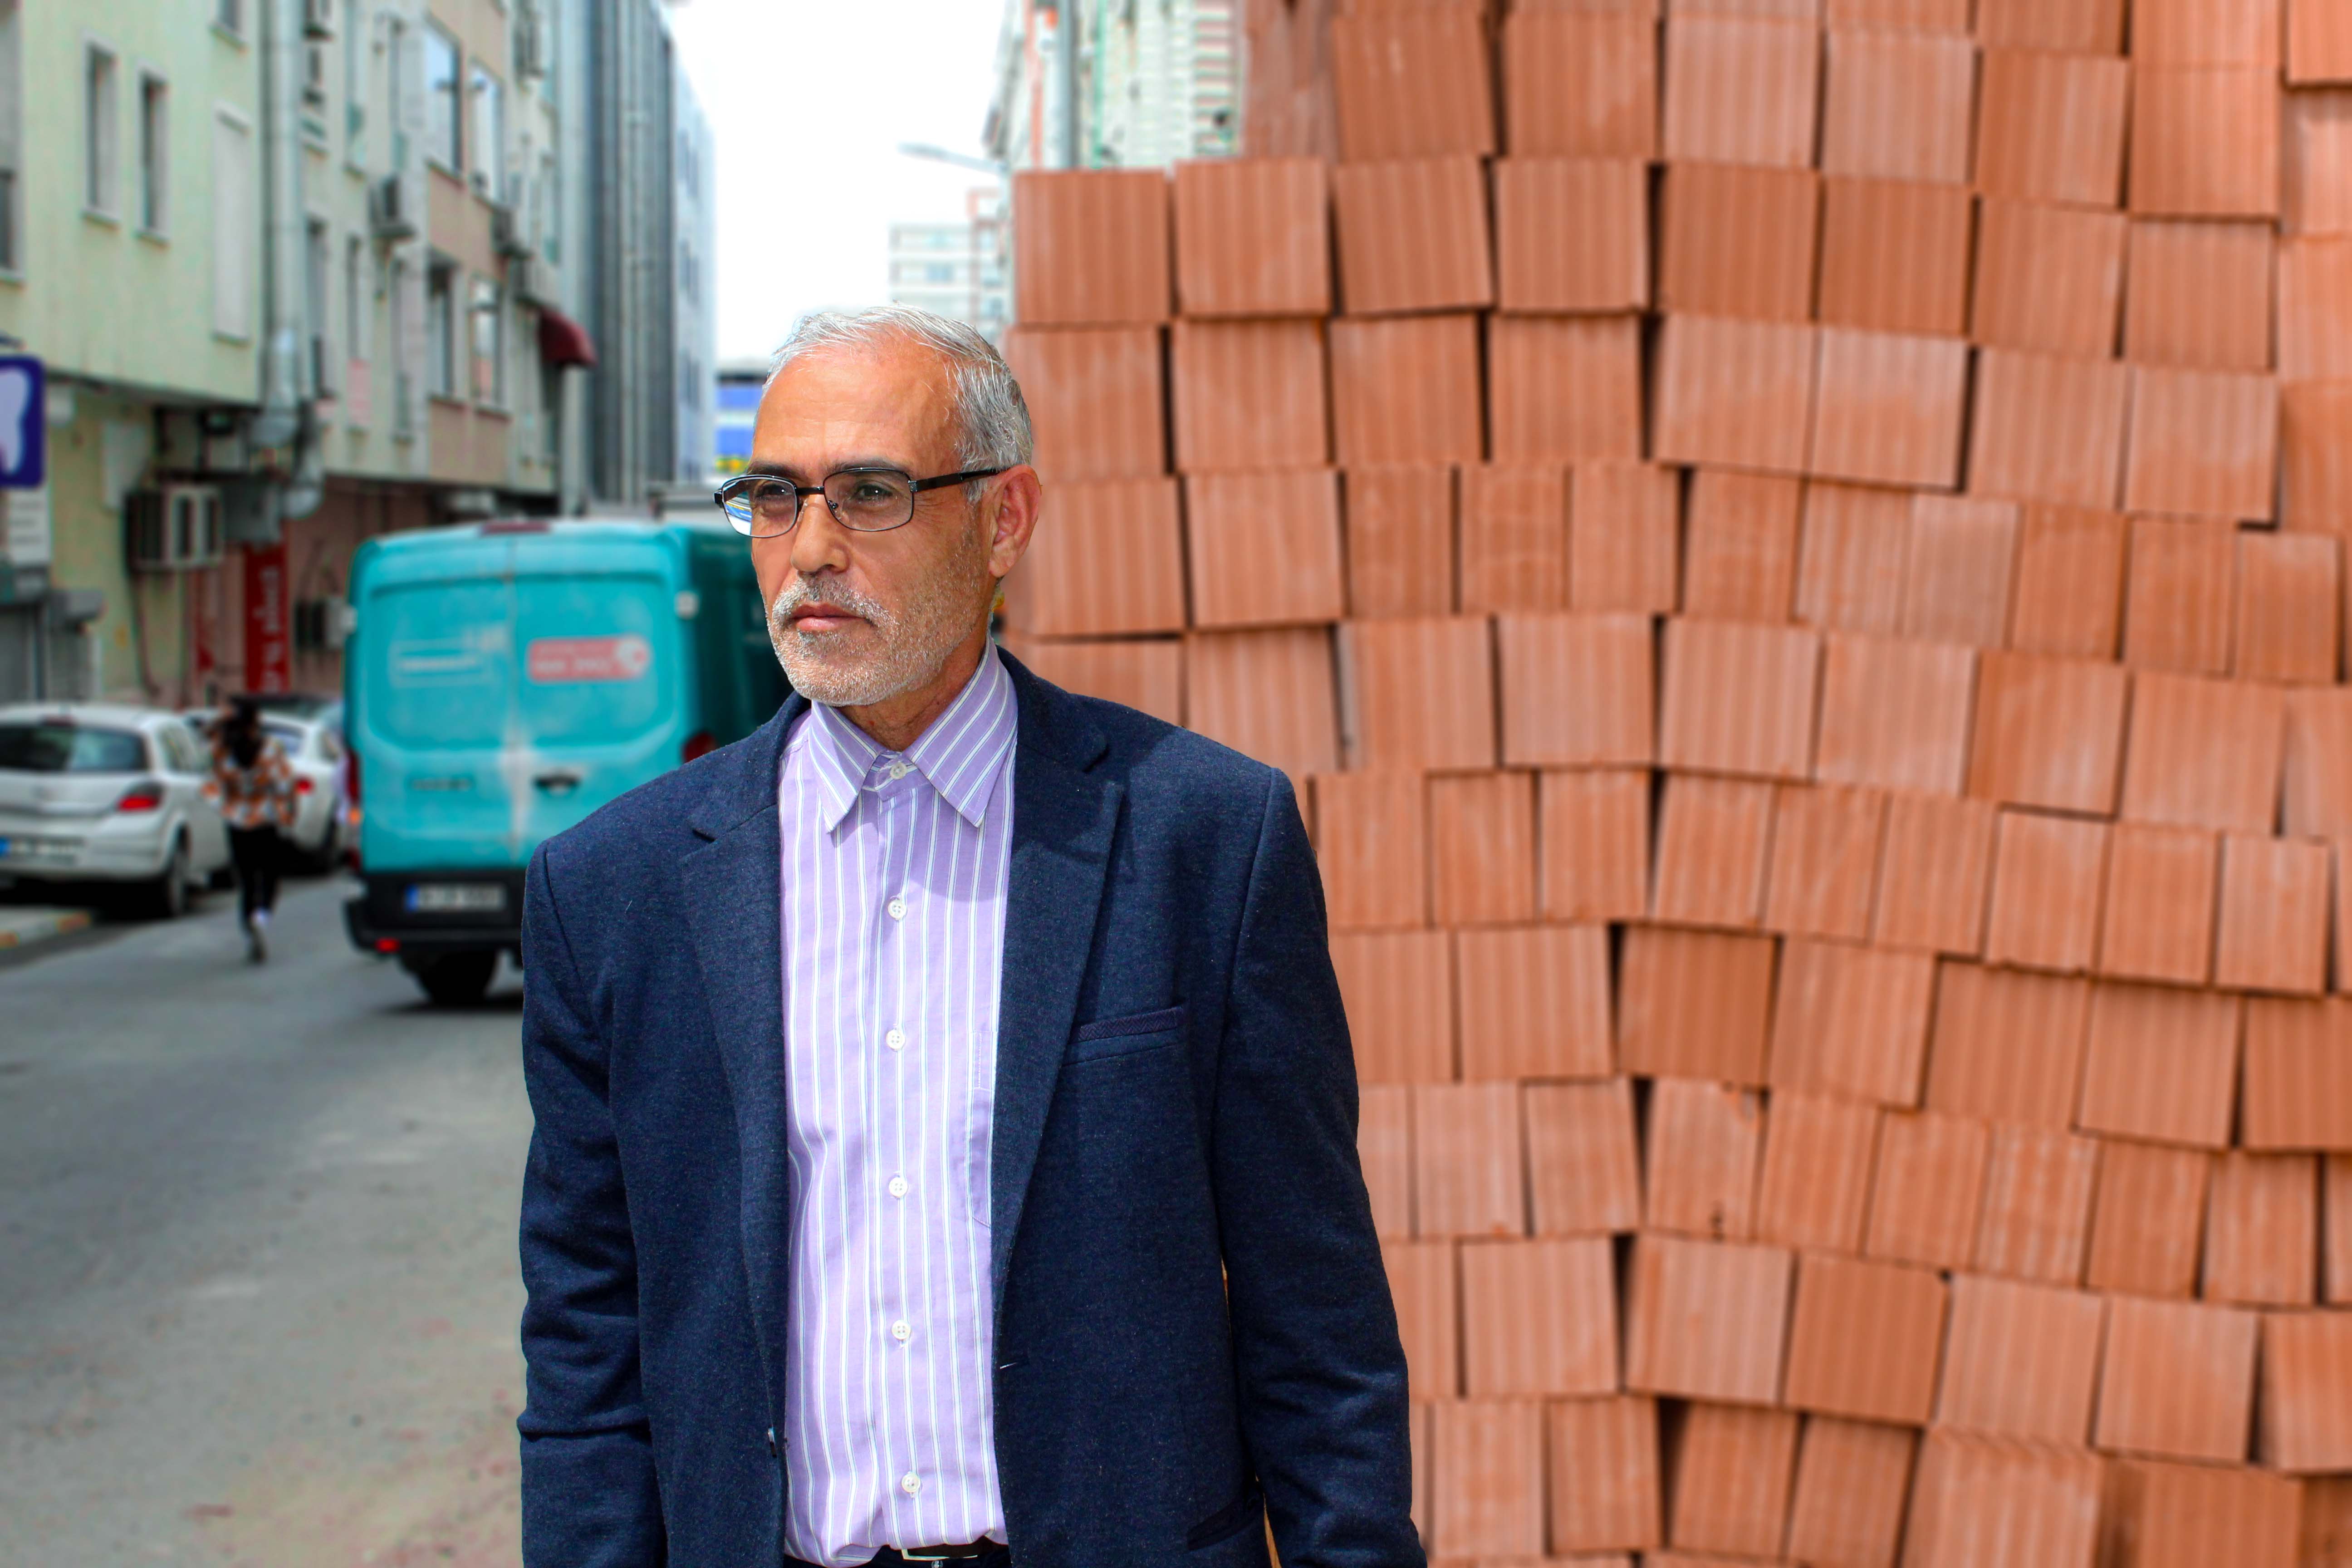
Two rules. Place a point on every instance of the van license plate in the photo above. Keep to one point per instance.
(456, 898)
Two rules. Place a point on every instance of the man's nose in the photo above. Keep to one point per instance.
(819, 542)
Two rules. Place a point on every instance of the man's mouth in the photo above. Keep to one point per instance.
(813, 618)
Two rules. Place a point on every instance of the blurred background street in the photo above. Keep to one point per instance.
(261, 1294)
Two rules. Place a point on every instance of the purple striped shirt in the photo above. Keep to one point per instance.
(894, 881)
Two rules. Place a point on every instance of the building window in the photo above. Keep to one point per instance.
(488, 341)
(318, 262)
(228, 16)
(396, 77)
(404, 391)
(355, 75)
(551, 207)
(236, 226)
(99, 119)
(441, 127)
(358, 316)
(441, 330)
(155, 153)
(12, 133)
(687, 283)
(489, 134)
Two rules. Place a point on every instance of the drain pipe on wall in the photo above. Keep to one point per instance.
(286, 417)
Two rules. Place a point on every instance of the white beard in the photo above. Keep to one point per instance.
(915, 641)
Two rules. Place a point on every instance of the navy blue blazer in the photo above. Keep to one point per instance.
(1193, 1329)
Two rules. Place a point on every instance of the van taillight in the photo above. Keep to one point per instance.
(698, 744)
(302, 784)
(352, 775)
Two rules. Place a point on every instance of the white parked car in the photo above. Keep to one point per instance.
(96, 793)
(314, 751)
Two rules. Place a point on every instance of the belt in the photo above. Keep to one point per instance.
(979, 1555)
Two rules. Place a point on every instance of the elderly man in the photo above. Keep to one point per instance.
(946, 1118)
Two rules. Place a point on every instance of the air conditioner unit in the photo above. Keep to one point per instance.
(533, 280)
(391, 209)
(506, 232)
(172, 528)
(319, 19)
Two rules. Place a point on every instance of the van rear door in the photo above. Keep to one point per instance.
(523, 682)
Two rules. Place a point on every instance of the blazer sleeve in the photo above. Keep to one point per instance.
(1322, 1370)
(589, 1495)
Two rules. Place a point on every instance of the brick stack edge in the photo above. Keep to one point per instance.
(1795, 550)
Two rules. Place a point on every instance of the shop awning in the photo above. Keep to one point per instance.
(562, 341)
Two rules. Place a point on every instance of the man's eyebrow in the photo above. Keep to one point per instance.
(848, 465)
(772, 470)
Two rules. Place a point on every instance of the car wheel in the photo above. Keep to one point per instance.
(455, 979)
(166, 897)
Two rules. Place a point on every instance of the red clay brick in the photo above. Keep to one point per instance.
(1853, 567)
(1702, 1144)
(1538, 1318)
(2148, 1219)
(1962, 563)
(1707, 1319)
(2205, 141)
(1401, 530)
(1249, 396)
(1934, 874)
(1513, 529)
(2180, 595)
(1742, 90)
(1928, 1191)
(2161, 1065)
(1739, 699)
(1864, 1339)
(2050, 124)
(1604, 1475)
(1713, 838)
(2177, 1381)
(1625, 525)
(2274, 925)
(1482, 849)
(1980, 1500)
(2306, 1391)
(2047, 428)
(1468, 1178)
(2298, 1079)
(1292, 517)
(1384, 1144)
(1813, 1186)
(2048, 873)
(1853, 1477)
(1824, 865)
(2037, 1205)
(2161, 1515)
(1398, 988)
(2319, 794)
(1581, 86)
(1595, 837)
(1535, 1002)
(1564, 387)
(1486, 1479)
(1889, 408)
(2049, 732)
(1851, 1022)
(2200, 295)
(2008, 1045)
(1423, 691)
(1693, 1004)
(1442, 263)
(1252, 237)
(2070, 583)
(1894, 714)
(2204, 753)
(2290, 608)
(1738, 242)
(1728, 1472)
(1895, 256)
(2261, 1230)
(2049, 279)
(2203, 443)
(1371, 841)
(1899, 105)
(1405, 389)
(1739, 561)
(2022, 1361)
(1584, 1177)
(2158, 917)
(1738, 394)
(1422, 1281)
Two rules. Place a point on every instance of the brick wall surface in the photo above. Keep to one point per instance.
(1794, 550)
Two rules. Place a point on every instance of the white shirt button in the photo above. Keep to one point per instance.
(900, 770)
(900, 1332)
(896, 1039)
(911, 1483)
(897, 909)
(897, 1186)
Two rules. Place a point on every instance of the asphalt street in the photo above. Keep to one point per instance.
(257, 1279)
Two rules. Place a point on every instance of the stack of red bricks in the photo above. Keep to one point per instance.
(1796, 550)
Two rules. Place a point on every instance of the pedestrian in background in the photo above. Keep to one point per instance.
(254, 790)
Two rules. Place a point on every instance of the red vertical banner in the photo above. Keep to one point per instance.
(268, 635)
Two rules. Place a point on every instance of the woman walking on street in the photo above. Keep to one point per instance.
(254, 790)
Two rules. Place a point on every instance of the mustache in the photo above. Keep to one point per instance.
(801, 591)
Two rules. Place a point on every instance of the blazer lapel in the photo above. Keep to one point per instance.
(1064, 819)
(733, 895)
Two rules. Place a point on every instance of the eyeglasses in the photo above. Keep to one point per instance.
(870, 500)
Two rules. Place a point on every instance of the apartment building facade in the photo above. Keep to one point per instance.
(959, 269)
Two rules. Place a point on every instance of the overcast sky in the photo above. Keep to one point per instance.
(808, 101)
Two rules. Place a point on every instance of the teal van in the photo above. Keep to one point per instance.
(504, 680)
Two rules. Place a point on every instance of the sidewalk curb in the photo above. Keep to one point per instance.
(23, 928)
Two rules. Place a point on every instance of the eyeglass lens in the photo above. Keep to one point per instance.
(870, 500)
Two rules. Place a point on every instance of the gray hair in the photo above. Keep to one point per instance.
(991, 417)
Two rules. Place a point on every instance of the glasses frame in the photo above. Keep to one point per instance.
(801, 494)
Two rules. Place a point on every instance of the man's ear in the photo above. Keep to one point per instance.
(1019, 495)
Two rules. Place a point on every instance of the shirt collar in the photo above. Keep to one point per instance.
(960, 754)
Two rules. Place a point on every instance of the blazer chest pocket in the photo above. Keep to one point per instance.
(1126, 1036)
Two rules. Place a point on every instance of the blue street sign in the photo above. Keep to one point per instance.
(23, 423)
